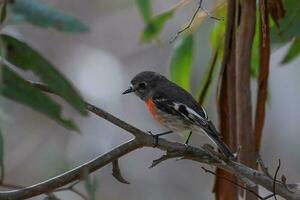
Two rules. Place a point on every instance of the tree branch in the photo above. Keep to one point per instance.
(75, 174)
(116, 172)
(142, 139)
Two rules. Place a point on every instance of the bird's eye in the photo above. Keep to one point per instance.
(142, 85)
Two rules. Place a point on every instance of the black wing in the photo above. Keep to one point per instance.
(175, 100)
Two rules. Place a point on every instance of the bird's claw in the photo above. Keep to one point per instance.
(186, 147)
(155, 138)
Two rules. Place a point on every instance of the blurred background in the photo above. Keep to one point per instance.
(100, 63)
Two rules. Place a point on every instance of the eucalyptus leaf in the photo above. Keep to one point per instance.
(208, 77)
(90, 185)
(23, 56)
(255, 54)
(3, 12)
(19, 90)
(218, 31)
(39, 14)
(181, 61)
(155, 26)
(293, 51)
(289, 25)
(144, 9)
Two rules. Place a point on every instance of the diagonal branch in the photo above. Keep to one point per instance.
(142, 139)
(75, 174)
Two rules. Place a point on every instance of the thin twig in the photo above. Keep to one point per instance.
(193, 18)
(233, 182)
(284, 182)
(188, 26)
(275, 178)
(167, 156)
(116, 172)
(263, 166)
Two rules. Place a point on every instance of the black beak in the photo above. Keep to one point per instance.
(128, 90)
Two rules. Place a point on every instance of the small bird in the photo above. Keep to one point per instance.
(174, 107)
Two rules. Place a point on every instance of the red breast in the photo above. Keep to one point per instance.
(151, 108)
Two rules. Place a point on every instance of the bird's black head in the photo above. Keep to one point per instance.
(145, 83)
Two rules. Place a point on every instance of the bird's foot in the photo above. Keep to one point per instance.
(237, 153)
(187, 141)
(156, 136)
(187, 146)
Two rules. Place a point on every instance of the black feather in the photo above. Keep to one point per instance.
(168, 94)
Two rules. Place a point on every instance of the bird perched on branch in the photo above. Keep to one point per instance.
(174, 107)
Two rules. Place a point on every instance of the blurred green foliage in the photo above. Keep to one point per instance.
(144, 9)
(208, 77)
(90, 185)
(24, 57)
(287, 32)
(19, 90)
(155, 25)
(17, 54)
(292, 52)
(182, 60)
(38, 14)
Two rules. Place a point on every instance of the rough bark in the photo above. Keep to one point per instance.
(227, 111)
(245, 29)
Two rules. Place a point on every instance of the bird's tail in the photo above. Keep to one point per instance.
(213, 134)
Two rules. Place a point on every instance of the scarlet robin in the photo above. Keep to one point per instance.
(174, 107)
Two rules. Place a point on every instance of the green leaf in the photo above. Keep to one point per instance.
(19, 90)
(181, 61)
(90, 186)
(218, 31)
(21, 55)
(289, 26)
(37, 13)
(288, 30)
(208, 78)
(255, 51)
(155, 26)
(3, 12)
(144, 9)
(293, 51)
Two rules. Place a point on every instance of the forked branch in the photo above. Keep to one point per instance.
(143, 139)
